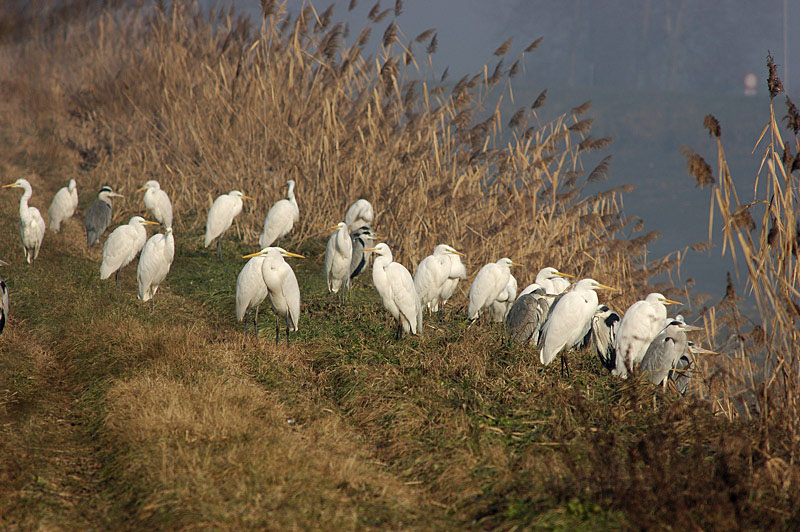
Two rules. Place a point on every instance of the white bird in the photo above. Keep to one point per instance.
(640, 324)
(491, 280)
(3, 300)
(499, 308)
(157, 202)
(604, 333)
(359, 214)
(122, 246)
(251, 291)
(569, 321)
(338, 255)
(220, 217)
(154, 263)
(282, 287)
(437, 275)
(31, 223)
(665, 350)
(280, 218)
(553, 281)
(396, 287)
(63, 205)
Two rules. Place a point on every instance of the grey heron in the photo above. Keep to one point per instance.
(98, 216)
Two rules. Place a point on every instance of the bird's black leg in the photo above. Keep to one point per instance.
(245, 324)
(564, 365)
(255, 324)
(287, 335)
(399, 334)
(277, 329)
(116, 278)
(219, 247)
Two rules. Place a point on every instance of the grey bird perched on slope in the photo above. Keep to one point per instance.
(3, 300)
(665, 350)
(99, 215)
(604, 332)
(362, 238)
(684, 367)
(527, 315)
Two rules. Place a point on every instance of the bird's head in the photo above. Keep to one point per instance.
(108, 192)
(72, 185)
(655, 297)
(444, 249)
(340, 225)
(238, 194)
(591, 284)
(141, 221)
(19, 183)
(508, 263)
(382, 250)
(273, 250)
(150, 184)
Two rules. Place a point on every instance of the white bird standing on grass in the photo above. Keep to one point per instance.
(154, 263)
(491, 280)
(437, 275)
(63, 205)
(280, 218)
(251, 291)
(338, 255)
(500, 307)
(157, 202)
(640, 324)
(569, 321)
(396, 287)
(122, 246)
(220, 217)
(3, 300)
(282, 287)
(359, 214)
(31, 223)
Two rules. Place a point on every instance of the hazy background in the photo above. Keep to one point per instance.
(652, 68)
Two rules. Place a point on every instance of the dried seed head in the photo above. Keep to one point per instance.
(743, 218)
(600, 172)
(792, 116)
(712, 125)
(582, 108)
(433, 45)
(774, 83)
(516, 120)
(540, 100)
(532, 46)
(398, 8)
(698, 167)
(504, 48)
(424, 35)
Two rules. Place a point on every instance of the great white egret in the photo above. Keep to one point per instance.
(491, 280)
(280, 218)
(553, 281)
(157, 202)
(63, 205)
(526, 317)
(436, 274)
(251, 291)
(604, 332)
(665, 350)
(220, 217)
(362, 238)
(359, 214)
(3, 300)
(282, 287)
(499, 308)
(122, 246)
(640, 324)
(98, 216)
(569, 321)
(31, 223)
(154, 263)
(396, 287)
(338, 255)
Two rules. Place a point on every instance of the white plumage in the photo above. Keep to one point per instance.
(338, 254)
(640, 324)
(569, 320)
(154, 263)
(499, 308)
(251, 291)
(491, 280)
(63, 205)
(553, 281)
(157, 202)
(437, 275)
(282, 287)
(220, 217)
(359, 214)
(31, 223)
(280, 218)
(396, 287)
(122, 245)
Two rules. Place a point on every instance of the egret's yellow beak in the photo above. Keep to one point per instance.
(670, 302)
(148, 222)
(141, 189)
(248, 197)
(604, 287)
(568, 276)
(457, 253)
(10, 185)
(295, 255)
(251, 255)
(333, 228)
(370, 249)
(517, 264)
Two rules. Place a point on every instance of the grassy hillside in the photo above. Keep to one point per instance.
(113, 416)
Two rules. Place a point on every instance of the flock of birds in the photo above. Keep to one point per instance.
(551, 312)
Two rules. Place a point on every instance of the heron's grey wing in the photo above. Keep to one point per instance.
(682, 373)
(97, 219)
(659, 357)
(524, 318)
(358, 260)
